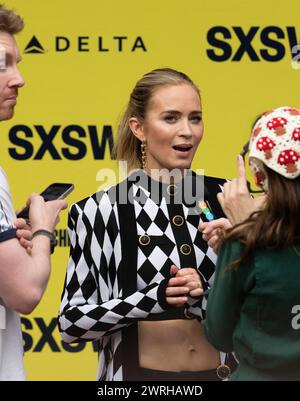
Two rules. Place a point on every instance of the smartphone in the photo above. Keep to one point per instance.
(58, 190)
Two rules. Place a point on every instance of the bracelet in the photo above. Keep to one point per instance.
(48, 234)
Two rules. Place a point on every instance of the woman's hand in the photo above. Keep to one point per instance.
(185, 282)
(211, 232)
(193, 280)
(176, 291)
(236, 201)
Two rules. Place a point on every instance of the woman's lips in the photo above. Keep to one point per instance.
(183, 149)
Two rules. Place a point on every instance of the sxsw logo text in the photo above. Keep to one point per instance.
(77, 142)
(275, 43)
(46, 337)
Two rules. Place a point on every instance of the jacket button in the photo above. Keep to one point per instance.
(185, 249)
(223, 371)
(178, 220)
(172, 189)
(144, 239)
(188, 314)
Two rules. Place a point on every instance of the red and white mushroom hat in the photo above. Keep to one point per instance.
(275, 141)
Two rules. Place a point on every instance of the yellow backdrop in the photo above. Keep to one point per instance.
(238, 52)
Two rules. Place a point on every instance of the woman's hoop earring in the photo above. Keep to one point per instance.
(144, 154)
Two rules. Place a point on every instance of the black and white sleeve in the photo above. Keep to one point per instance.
(92, 303)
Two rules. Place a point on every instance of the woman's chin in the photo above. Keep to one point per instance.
(182, 165)
(174, 165)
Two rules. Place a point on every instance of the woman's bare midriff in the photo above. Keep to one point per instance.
(175, 345)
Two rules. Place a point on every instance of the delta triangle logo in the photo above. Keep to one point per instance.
(34, 46)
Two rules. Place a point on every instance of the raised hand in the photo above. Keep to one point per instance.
(236, 201)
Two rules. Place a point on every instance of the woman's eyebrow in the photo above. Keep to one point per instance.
(179, 112)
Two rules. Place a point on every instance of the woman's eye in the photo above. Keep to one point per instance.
(170, 119)
(196, 119)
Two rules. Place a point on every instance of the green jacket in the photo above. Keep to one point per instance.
(255, 311)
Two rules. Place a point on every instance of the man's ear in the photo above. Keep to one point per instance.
(136, 128)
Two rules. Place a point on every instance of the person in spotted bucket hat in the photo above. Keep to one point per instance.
(275, 143)
(253, 307)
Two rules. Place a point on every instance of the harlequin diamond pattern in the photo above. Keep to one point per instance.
(92, 305)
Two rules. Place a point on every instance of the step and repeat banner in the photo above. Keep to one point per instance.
(80, 62)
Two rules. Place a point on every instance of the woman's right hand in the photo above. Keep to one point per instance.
(44, 215)
(235, 200)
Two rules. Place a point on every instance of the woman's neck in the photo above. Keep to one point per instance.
(165, 175)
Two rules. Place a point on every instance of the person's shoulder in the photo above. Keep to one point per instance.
(212, 185)
(104, 199)
(210, 180)
(235, 245)
(215, 180)
(230, 250)
(100, 197)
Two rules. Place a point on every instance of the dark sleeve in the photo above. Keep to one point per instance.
(7, 231)
(226, 297)
(213, 187)
(89, 309)
(8, 234)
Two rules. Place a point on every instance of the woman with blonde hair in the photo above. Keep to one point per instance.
(138, 264)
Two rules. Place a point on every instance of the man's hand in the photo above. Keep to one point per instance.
(44, 215)
(24, 234)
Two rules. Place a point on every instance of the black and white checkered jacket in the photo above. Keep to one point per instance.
(119, 266)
